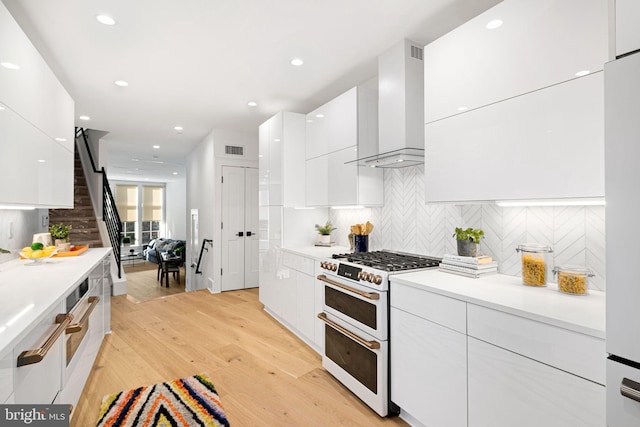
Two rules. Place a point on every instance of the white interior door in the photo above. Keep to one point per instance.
(239, 228)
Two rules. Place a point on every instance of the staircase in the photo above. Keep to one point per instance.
(82, 218)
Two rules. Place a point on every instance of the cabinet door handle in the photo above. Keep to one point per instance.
(77, 327)
(368, 295)
(630, 389)
(249, 233)
(372, 345)
(240, 234)
(29, 357)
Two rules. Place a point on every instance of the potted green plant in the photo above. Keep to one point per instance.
(468, 240)
(126, 241)
(325, 232)
(60, 235)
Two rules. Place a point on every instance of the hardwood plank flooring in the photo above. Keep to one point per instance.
(264, 374)
(143, 285)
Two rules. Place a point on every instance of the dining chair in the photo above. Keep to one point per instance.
(169, 267)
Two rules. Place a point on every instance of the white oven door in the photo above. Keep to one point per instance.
(358, 361)
(358, 305)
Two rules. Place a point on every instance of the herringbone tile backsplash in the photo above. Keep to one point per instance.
(405, 223)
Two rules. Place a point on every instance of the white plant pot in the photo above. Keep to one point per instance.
(325, 239)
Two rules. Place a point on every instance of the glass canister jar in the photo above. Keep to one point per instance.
(534, 265)
(573, 279)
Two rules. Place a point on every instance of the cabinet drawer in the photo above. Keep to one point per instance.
(39, 383)
(298, 263)
(621, 411)
(6, 375)
(436, 308)
(570, 351)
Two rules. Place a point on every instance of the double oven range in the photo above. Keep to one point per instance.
(356, 315)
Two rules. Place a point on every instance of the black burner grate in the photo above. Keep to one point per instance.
(389, 261)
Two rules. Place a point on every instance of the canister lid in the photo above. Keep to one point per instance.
(573, 269)
(533, 247)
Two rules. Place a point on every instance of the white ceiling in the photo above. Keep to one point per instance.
(196, 63)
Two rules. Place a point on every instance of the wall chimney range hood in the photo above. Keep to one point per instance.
(400, 108)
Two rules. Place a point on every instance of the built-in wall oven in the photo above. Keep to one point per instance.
(356, 316)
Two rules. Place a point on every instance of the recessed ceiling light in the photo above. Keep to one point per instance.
(494, 24)
(1, 107)
(463, 108)
(252, 104)
(175, 173)
(297, 62)
(309, 121)
(121, 83)
(582, 73)
(41, 160)
(277, 140)
(177, 127)
(156, 146)
(61, 139)
(106, 20)
(319, 116)
(146, 179)
(84, 118)
(10, 65)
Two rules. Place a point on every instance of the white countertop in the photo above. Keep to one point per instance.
(318, 252)
(579, 313)
(28, 291)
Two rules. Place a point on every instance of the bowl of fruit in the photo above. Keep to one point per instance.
(37, 252)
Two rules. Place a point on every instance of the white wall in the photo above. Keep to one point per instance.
(406, 223)
(17, 228)
(176, 209)
(204, 172)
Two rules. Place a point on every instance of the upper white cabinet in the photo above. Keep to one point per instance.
(540, 43)
(627, 28)
(32, 90)
(36, 125)
(281, 160)
(341, 131)
(547, 144)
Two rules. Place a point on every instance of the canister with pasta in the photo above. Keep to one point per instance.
(572, 279)
(534, 265)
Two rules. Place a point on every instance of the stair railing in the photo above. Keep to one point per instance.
(109, 210)
(202, 249)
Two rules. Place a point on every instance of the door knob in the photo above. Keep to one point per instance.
(240, 234)
(248, 234)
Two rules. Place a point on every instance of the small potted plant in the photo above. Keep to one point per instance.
(126, 241)
(325, 232)
(60, 236)
(468, 240)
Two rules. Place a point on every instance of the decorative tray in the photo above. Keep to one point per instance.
(75, 251)
(325, 244)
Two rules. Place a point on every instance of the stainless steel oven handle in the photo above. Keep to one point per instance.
(29, 357)
(372, 345)
(630, 389)
(77, 327)
(368, 295)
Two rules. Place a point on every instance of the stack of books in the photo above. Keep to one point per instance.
(468, 266)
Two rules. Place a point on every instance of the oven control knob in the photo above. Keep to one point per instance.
(377, 279)
(333, 267)
(361, 275)
(323, 264)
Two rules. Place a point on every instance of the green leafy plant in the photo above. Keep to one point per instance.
(468, 234)
(4, 251)
(60, 231)
(126, 240)
(326, 229)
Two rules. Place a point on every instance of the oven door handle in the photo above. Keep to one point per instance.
(29, 357)
(368, 295)
(77, 327)
(372, 345)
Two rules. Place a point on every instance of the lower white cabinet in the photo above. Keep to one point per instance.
(506, 390)
(40, 382)
(428, 370)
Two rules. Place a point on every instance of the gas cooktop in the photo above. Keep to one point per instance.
(389, 261)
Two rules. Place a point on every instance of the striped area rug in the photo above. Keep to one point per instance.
(184, 402)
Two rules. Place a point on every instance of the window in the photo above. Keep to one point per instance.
(141, 209)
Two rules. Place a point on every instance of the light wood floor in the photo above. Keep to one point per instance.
(265, 376)
(143, 285)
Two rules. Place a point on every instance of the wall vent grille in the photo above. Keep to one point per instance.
(234, 150)
(416, 52)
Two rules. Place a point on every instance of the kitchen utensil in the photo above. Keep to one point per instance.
(368, 228)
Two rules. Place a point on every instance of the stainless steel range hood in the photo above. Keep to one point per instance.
(400, 108)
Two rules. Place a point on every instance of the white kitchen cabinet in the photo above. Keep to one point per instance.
(40, 382)
(428, 357)
(282, 161)
(627, 29)
(318, 301)
(345, 131)
(507, 389)
(539, 44)
(33, 91)
(546, 144)
(6, 375)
